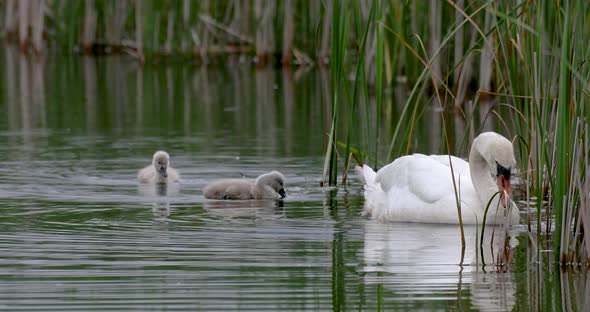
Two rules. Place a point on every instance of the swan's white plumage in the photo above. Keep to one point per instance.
(410, 189)
(419, 188)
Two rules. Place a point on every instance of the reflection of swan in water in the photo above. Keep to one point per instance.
(426, 258)
(159, 194)
(261, 209)
(159, 190)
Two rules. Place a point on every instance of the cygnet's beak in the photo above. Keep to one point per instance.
(163, 172)
(504, 187)
(283, 193)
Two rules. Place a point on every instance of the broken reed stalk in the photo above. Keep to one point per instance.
(89, 26)
(288, 31)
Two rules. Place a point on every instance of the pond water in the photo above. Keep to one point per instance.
(77, 233)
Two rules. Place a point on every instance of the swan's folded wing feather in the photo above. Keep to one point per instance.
(425, 177)
(395, 173)
(460, 166)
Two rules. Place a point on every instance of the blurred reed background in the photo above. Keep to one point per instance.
(187, 29)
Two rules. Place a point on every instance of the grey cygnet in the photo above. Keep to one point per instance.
(267, 186)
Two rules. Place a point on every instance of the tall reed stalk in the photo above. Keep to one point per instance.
(340, 28)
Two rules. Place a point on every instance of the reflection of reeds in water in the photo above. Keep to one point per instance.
(170, 96)
(11, 70)
(25, 95)
(289, 100)
(203, 89)
(139, 97)
(37, 94)
(113, 95)
(186, 104)
(552, 289)
(266, 123)
(90, 92)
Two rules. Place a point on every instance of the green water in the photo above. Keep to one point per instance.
(77, 233)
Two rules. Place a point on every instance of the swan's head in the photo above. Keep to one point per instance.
(161, 161)
(499, 156)
(274, 180)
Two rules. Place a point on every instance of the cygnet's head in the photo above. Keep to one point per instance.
(161, 161)
(274, 180)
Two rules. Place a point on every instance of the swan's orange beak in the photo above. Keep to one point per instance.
(505, 189)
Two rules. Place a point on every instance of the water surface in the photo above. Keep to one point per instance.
(78, 233)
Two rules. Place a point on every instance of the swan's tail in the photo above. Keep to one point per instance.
(375, 197)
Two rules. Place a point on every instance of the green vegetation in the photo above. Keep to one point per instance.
(527, 61)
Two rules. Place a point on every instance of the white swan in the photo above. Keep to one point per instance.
(266, 186)
(159, 171)
(419, 188)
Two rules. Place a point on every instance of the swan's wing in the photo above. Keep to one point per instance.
(460, 172)
(427, 178)
(460, 166)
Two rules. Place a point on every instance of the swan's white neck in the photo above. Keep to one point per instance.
(481, 176)
(486, 148)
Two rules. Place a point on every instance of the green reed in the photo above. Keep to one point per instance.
(347, 96)
(531, 60)
(552, 103)
(340, 28)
